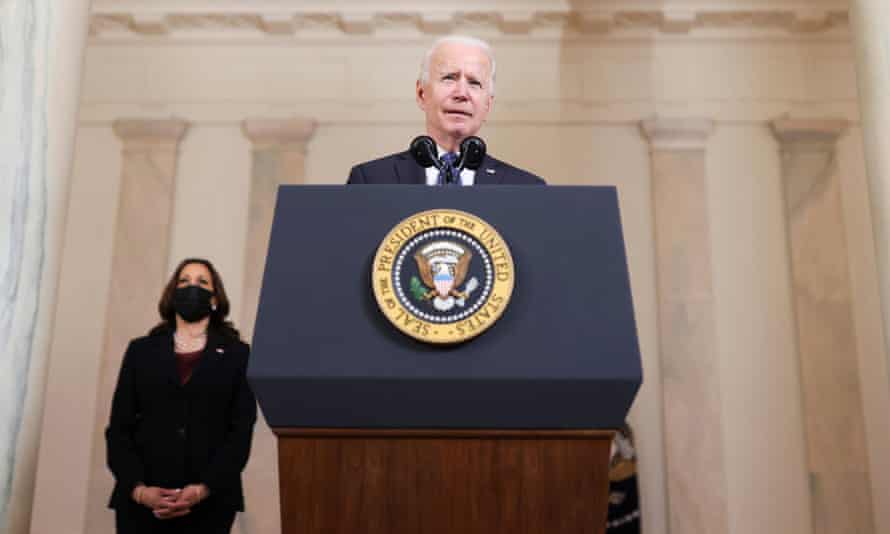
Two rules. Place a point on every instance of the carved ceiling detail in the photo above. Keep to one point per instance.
(108, 23)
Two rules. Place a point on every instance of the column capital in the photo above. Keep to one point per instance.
(150, 132)
(269, 133)
(811, 134)
(682, 133)
(808, 161)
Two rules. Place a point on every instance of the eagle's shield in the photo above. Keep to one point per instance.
(444, 282)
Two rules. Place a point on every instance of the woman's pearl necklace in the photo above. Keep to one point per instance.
(191, 343)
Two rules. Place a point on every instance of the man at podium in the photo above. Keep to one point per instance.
(455, 430)
(455, 90)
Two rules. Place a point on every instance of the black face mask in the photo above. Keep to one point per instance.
(192, 303)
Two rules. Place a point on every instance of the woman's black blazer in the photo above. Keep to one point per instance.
(162, 433)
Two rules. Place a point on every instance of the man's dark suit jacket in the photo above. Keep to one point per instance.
(162, 433)
(402, 169)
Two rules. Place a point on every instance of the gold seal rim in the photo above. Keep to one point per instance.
(441, 333)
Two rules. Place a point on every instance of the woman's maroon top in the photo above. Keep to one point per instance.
(185, 364)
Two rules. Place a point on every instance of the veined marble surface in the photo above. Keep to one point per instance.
(24, 35)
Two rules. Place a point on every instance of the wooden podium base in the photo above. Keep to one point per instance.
(369, 481)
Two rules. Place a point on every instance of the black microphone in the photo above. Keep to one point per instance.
(472, 152)
(423, 150)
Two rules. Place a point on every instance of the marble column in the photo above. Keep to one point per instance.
(870, 23)
(278, 157)
(139, 269)
(837, 455)
(686, 327)
(41, 46)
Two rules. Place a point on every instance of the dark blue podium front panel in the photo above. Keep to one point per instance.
(563, 355)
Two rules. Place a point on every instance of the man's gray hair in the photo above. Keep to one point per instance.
(462, 39)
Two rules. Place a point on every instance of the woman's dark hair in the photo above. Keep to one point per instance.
(218, 322)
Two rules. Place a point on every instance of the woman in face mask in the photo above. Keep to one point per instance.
(182, 414)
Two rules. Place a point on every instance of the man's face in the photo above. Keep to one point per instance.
(457, 97)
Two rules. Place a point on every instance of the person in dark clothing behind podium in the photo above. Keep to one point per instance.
(182, 414)
(624, 495)
(455, 90)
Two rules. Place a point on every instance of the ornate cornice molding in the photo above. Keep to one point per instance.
(134, 19)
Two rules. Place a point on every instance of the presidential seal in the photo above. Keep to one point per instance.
(443, 276)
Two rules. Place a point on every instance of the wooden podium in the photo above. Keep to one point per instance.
(443, 482)
(507, 433)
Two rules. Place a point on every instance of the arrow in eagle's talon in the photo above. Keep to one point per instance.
(468, 289)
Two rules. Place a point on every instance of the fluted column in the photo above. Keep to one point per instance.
(870, 22)
(686, 327)
(139, 269)
(41, 53)
(837, 455)
(278, 157)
